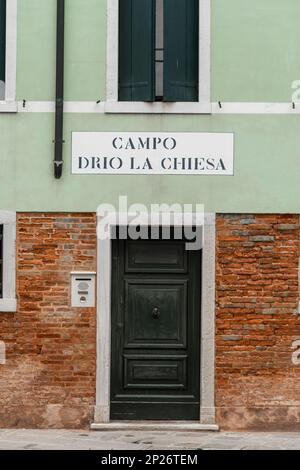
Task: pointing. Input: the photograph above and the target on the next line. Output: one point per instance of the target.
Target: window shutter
(181, 50)
(136, 50)
(2, 38)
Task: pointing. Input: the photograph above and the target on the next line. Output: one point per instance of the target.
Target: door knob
(155, 313)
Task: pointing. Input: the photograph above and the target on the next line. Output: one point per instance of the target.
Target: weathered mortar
(49, 376)
(257, 298)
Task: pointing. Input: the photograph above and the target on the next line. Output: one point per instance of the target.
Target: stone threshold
(153, 426)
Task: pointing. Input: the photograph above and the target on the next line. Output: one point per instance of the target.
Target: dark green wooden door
(155, 330)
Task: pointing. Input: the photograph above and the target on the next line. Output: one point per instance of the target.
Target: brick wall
(257, 386)
(49, 377)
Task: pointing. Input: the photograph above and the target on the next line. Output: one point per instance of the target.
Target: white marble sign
(141, 153)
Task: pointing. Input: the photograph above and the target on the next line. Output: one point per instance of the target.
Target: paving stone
(117, 440)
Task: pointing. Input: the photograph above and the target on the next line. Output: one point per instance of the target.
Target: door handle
(155, 313)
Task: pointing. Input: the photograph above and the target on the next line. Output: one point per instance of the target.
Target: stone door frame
(207, 333)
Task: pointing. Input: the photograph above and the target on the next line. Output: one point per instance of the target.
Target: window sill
(8, 107)
(137, 107)
(8, 306)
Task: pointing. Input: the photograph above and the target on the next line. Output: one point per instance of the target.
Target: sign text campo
(152, 153)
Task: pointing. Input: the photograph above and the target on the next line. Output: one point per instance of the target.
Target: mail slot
(83, 289)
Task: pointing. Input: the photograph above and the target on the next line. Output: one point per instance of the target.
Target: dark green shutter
(136, 50)
(181, 50)
(2, 38)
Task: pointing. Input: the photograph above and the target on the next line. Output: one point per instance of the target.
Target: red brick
(256, 382)
(49, 377)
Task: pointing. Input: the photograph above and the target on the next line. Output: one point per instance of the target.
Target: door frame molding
(207, 334)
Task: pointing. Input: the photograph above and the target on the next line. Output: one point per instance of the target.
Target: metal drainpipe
(59, 103)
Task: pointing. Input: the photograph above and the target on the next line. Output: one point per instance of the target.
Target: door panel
(155, 313)
(151, 255)
(155, 330)
(152, 371)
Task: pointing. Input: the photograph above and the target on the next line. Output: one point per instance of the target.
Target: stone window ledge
(8, 305)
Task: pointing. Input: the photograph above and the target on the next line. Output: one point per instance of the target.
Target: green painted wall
(85, 51)
(255, 49)
(255, 57)
(267, 156)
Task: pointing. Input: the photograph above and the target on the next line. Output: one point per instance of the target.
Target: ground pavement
(137, 440)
